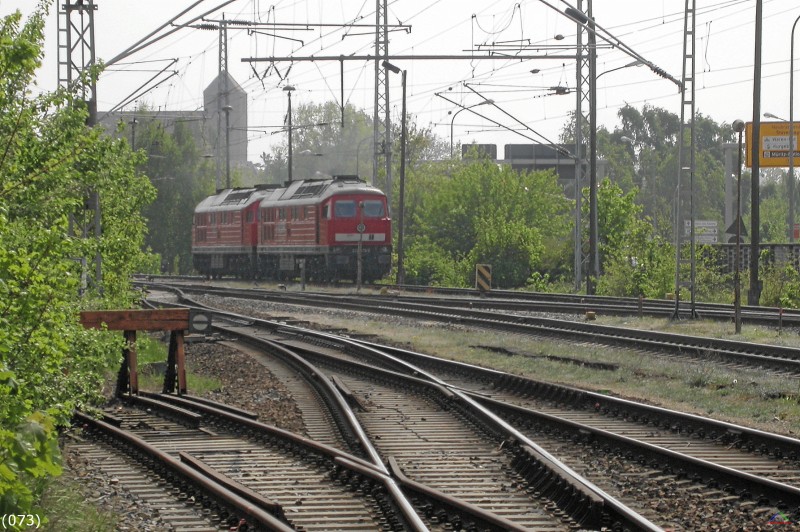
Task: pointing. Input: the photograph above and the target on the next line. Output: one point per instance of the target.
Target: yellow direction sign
(773, 148)
(483, 277)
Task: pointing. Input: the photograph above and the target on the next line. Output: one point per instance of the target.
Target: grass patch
(68, 509)
(198, 384)
(195, 382)
(150, 349)
(713, 329)
(153, 353)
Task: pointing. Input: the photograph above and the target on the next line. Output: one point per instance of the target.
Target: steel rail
(751, 485)
(747, 484)
(532, 452)
(752, 439)
(534, 458)
(253, 510)
(781, 358)
(542, 301)
(378, 471)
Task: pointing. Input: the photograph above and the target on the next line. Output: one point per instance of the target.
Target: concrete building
(208, 124)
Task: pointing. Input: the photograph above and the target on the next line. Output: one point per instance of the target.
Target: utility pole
(754, 294)
(222, 103)
(381, 119)
(289, 89)
(583, 95)
(76, 56)
(587, 90)
(686, 165)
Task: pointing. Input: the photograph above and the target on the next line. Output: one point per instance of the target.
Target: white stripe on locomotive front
(365, 237)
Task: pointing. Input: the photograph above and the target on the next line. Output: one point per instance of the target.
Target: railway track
(649, 444)
(521, 301)
(310, 486)
(700, 459)
(618, 306)
(303, 485)
(454, 453)
(781, 359)
(632, 454)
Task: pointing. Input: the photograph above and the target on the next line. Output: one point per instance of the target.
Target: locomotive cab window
(344, 209)
(373, 208)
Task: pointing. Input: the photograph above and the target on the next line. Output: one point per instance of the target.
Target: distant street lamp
(792, 142)
(738, 127)
(289, 89)
(631, 64)
(401, 274)
(452, 121)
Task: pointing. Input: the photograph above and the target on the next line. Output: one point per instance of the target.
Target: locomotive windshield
(347, 209)
(344, 209)
(373, 209)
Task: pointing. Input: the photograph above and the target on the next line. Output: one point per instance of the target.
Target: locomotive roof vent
(352, 178)
(237, 196)
(309, 189)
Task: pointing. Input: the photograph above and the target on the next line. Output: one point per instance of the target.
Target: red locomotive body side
(322, 226)
(250, 225)
(225, 233)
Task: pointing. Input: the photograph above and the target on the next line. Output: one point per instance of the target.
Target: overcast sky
(652, 28)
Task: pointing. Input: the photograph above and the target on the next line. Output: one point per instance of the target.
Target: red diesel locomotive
(271, 231)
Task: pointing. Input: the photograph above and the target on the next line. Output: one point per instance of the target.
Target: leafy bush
(636, 261)
(51, 162)
(510, 247)
(483, 213)
(428, 264)
(712, 283)
(539, 282)
(781, 285)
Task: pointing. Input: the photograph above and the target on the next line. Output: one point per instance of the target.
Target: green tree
(634, 258)
(182, 178)
(321, 143)
(773, 208)
(482, 213)
(647, 159)
(49, 163)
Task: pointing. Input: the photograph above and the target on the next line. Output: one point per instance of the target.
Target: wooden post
(180, 359)
(130, 350)
(169, 371)
(130, 321)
